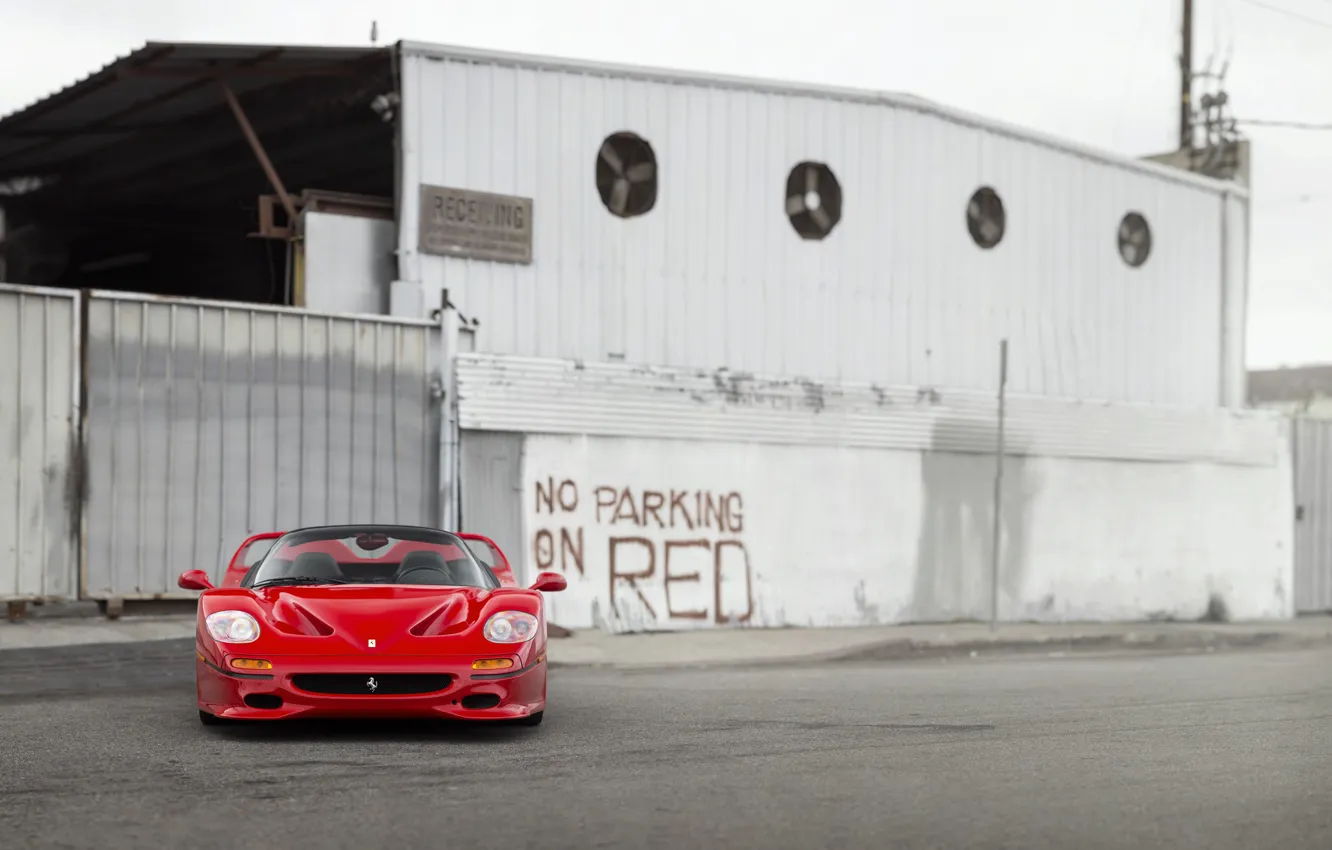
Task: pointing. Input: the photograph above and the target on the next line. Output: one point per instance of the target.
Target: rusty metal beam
(267, 229)
(347, 203)
(259, 152)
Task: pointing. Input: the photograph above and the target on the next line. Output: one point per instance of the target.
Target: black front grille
(371, 684)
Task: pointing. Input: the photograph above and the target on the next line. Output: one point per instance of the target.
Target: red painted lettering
(717, 557)
(677, 503)
(571, 551)
(613, 556)
(543, 550)
(605, 497)
(652, 505)
(735, 513)
(626, 510)
(668, 579)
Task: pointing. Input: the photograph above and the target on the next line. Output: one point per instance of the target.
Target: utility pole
(1186, 79)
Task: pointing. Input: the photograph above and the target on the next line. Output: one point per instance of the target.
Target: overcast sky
(1101, 72)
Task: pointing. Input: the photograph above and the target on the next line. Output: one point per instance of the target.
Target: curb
(89, 632)
(904, 649)
(1184, 641)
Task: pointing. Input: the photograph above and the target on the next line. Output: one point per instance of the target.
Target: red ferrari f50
(370, 621)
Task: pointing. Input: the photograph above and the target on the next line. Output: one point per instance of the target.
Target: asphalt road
(1218, 751)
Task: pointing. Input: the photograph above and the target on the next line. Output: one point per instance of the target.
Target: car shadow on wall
(955, 543)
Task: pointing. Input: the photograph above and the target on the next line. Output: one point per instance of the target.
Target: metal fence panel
(39, 467)
(207, 422)
(1313, 525)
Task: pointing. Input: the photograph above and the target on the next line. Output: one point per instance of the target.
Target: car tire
(533, 719)
(210, 719)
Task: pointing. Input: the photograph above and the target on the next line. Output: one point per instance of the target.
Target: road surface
(1217, 751)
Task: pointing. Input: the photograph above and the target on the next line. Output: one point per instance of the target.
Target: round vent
(813, 200)
(985, 218)
(1135, 239)
(627, 175)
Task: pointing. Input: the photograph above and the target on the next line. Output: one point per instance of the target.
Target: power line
(1288, 13)
(1290, 125)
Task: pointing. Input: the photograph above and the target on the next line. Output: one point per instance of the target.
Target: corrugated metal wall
(715, 275)
(544, 396)
(1313, 506)
(207, 422)
(39, 467)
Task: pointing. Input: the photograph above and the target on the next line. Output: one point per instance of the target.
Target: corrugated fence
(39, 379)
(203, 422)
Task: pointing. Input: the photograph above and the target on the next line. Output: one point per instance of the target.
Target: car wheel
(210, 719)
(533, 719)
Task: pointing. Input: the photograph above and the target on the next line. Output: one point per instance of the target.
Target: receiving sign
(476, 225)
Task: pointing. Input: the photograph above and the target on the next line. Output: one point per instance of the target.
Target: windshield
(370, 555)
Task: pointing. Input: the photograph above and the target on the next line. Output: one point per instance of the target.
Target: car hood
(358, 614)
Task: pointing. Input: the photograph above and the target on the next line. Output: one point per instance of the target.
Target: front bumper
(509, 694)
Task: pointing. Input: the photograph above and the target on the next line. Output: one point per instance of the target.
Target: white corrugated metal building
(714, 274)
(711, 398)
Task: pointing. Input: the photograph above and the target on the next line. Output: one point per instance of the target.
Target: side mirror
(549, 582)
(194, 580)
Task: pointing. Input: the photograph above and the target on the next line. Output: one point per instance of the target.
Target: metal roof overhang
(156, 122)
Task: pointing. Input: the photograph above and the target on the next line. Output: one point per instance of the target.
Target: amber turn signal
(492, 664)
(251, 664)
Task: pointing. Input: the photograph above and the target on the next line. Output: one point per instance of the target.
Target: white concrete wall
(822, 536)
(861, 503)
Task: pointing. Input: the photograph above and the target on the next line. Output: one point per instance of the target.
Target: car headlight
(511, 627)
(232, 626)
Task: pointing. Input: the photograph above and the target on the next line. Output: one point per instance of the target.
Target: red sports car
(370, 621)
